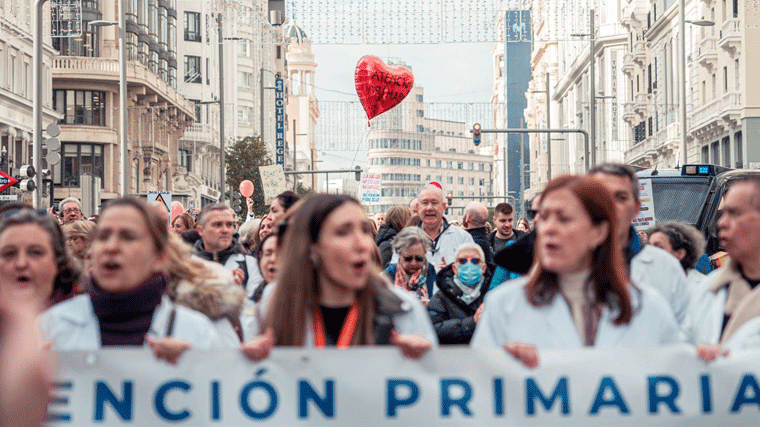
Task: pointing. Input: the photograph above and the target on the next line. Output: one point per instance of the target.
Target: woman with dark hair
(33, 255)
(330, 293)
(684, 242)
(126, 304)
(266, 256)
(280, 205)
(395, 220)
(578, 293)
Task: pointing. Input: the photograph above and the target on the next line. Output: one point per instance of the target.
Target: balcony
(201, 133)
(640, 51)
(628, 65)
(731, 105)
(149, 87)
(629, 115)
(731, 34)
(706, 117)
(641, 104)
(642, 153)
(707, 53)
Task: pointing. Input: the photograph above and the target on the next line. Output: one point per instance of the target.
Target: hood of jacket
(445, 281)
(235, 248)
(385, 233)
(217, 297)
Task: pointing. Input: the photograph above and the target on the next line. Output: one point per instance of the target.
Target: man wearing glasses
(70, 210)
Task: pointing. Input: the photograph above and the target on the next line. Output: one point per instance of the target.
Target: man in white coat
(648, 265)
(446, 238)
(726, 308)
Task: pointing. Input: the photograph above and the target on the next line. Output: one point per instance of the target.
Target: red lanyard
(346, 331)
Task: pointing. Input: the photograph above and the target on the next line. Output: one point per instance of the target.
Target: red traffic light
(476, 134)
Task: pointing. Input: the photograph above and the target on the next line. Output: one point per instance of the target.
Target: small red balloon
(381, 87)
(177, 209)
(246, 188)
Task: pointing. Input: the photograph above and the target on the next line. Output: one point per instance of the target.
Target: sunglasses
(462, 261)
(417, 258)
(531, 214)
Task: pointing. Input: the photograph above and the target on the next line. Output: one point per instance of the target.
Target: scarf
(413, 283)
(125, 318)
(469, 294)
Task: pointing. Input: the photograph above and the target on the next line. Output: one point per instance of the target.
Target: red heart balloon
(381, 87)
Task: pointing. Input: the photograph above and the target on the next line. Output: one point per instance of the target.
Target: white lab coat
(72, 325)
(747, 337)
(510, 318)
(414, 321)
(654, 268)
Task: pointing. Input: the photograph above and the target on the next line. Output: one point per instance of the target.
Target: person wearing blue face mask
(456, 308)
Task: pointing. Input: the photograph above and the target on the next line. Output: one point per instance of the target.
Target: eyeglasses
(462, 261)
(71, 210)
(417, 258)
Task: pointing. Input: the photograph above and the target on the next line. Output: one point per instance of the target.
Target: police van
(691, 194)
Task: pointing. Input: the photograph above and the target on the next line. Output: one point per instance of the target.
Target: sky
(449, 72)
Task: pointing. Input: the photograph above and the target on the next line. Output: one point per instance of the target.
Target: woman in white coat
(126, 304)
(578, 292)
(330, 293)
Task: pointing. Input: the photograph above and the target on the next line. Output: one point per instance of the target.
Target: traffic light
(476, 134)
(448, 203)
(358, 173)
(26, 178)
(449, 197)
(238, 203)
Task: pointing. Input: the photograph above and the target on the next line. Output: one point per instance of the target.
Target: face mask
(470, 274)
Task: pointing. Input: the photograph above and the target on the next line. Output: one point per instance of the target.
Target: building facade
(562, 49)
(85, 78)
(16, 83)
(303, 107)
(721, 107)
(410, 150)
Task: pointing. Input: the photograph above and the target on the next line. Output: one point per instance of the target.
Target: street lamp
(122, 92)
(682, 46)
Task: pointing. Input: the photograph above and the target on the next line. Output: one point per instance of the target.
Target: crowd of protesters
(317, 272)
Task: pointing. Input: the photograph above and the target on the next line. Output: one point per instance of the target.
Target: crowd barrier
(665, 386)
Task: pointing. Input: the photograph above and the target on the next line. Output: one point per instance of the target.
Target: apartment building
(85, 78)
(410, 150)
(16, 83)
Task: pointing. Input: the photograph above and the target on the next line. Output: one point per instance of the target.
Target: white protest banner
(448, 387)
(369, 189)
(646, 217)
(273, 180)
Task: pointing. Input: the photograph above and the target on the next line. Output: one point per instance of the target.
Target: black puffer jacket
(384, 240)
(452, 319)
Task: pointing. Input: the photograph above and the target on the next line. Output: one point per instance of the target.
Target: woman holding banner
(126, 304)
(578, 293)
(330, 293)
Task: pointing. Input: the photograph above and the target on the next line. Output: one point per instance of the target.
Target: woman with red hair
(578, 293)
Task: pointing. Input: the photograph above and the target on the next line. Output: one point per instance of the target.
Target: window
(739, 150)
(80, 107)
(725, 79)
(427, 162)
(705, 154)
(420, 113)
(461, 180)
(737, 79)
(185, 158)
(438, 164)
(84, 45)
(79, 159)
(715, 148)
(193, 69)
(419, 97)
(197, 104)
(459, 165)
(726, 149)
(449, 180)
(472, 181)
(420, 128)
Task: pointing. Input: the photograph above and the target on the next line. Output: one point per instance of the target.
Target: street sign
(6, 181)
(8, 197)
